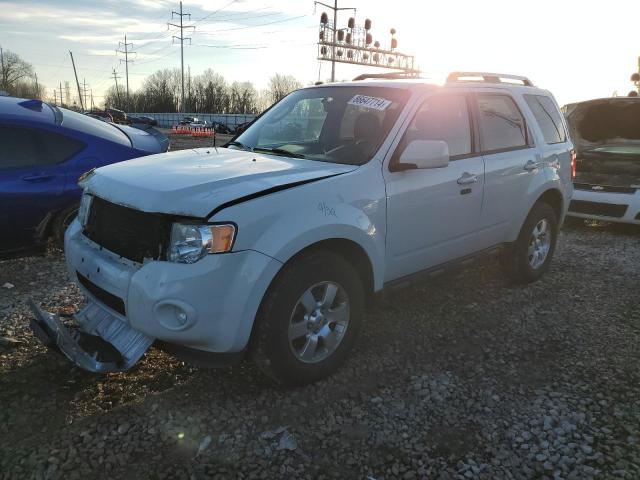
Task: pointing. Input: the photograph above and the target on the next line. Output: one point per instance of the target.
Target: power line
(215, 11)
(156, 59)
(250, 17)
(253, 26)
(182, 39)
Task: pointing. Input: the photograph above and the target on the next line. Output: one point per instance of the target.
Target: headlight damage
(140, 236)
(83, 211)
(189, 242)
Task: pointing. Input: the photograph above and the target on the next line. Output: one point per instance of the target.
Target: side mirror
(423, 154)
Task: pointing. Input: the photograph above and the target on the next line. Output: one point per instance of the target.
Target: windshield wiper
(279, 151)
(239, 144)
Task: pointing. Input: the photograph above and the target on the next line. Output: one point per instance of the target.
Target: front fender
(350, 206)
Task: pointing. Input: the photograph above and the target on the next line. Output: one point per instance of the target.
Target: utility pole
(335, 30)
(37, 87)
(84, 90)
(126, 61)
(77, 82)
(182, 39)
(4, 78)
(60, 91)
(55, 100)
(115, 78)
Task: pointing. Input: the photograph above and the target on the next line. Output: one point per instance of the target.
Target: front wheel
(529, 257)
(62, 222)
(309, 319)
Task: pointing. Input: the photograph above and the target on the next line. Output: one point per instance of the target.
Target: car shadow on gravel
(443, 371)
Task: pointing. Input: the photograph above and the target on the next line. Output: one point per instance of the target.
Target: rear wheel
(529, 257)
(309, 319)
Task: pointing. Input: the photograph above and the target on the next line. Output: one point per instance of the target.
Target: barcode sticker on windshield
(370, 102)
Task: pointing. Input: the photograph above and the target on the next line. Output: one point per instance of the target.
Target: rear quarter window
(548, 117)
(30, 147)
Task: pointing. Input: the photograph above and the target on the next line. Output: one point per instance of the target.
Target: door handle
(38, 177)
(467, 179)
(531, 165)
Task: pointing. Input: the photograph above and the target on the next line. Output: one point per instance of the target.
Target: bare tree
(16, 76)
(242, 97)
(281, 85)
(209, 93)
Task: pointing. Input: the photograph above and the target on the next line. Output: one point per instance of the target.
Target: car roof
(424, 85)
(26, 109)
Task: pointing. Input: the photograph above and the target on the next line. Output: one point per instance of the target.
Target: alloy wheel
(319, 322)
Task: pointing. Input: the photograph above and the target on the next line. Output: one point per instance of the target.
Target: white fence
(167, 120)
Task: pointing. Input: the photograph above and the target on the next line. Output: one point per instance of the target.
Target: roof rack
(487, 77)
(389, 75)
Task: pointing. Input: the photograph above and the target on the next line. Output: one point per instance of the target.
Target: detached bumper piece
(102, 343)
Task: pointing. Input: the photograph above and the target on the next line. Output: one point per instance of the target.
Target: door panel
(505, 195)
(433, 214)
(26, 196)
(510, 164)
(32, 180)
(432, 219)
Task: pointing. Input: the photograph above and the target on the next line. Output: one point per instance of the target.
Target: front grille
(603, 188)
(127, 232)
(597, 208)
(112, 301)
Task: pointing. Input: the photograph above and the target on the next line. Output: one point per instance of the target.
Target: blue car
(43, 151)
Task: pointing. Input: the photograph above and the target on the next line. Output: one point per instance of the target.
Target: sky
(576, 49)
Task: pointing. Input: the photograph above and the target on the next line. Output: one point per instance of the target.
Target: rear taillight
(574, 157)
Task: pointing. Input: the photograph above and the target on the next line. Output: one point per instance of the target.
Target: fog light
(175, 315)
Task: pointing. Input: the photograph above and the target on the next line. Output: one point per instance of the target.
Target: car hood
(195, 182)
(605, 121)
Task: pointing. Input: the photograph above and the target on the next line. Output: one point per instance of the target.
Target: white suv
(275, 244)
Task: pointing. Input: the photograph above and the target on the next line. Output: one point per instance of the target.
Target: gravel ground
(463, 377)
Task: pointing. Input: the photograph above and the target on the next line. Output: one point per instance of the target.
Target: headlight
(189, 243)
(85, 207)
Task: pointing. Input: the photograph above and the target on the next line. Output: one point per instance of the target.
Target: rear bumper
(612, 207)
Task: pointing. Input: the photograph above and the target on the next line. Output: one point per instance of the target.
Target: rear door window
(29, 147)
(548, 118)
(502, 126)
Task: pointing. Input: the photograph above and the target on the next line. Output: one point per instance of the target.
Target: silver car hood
(196, 182)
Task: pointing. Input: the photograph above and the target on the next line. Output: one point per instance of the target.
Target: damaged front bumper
(101, 342)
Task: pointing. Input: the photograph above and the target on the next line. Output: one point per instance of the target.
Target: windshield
(329, 124)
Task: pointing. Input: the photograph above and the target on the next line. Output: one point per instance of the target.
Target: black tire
(61, 222)
(516, 259)
(271, 348)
